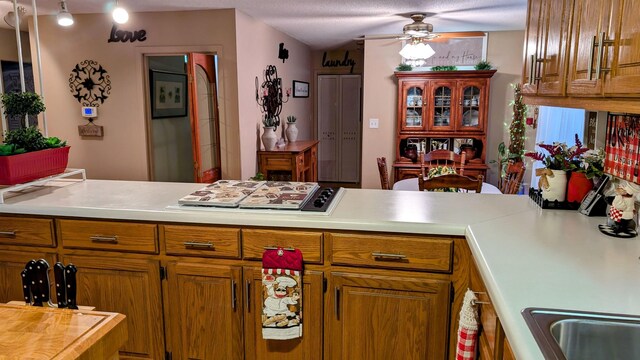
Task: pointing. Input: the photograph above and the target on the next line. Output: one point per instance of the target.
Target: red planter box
(17, 169)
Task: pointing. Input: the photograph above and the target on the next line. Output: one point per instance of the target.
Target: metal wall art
(89, 83)
(269, 94)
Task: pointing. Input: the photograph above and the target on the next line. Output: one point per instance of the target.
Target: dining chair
(384, 173)
(510, 183)
(442, 158)
(459, 183)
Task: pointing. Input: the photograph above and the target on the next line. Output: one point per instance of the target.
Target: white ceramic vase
(269, 138)
(292, 132)
(557, 189)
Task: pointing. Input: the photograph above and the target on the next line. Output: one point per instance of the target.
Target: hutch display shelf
(442, 110)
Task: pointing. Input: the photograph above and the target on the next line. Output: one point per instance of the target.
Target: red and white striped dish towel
(467, 328)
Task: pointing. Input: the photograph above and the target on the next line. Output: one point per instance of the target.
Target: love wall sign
(118, 35)
(623, 147)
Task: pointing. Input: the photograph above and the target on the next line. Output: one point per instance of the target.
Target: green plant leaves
(26, 140)
(22, 103)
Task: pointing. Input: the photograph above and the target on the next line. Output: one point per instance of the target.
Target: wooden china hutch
(442, 110)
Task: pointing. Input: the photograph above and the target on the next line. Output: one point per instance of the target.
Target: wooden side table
(296, 161)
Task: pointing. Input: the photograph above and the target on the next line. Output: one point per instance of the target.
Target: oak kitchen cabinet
(194, 291)
(602, 70)
(442, 110)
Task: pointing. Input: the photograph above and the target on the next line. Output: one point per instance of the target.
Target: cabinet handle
(336, 302)
(532, 69)
(593, 49)
(233, 294)
(104, 239)
(600, 55)
(247, 289)
(195, 244)
(10, 233)
(378, 256)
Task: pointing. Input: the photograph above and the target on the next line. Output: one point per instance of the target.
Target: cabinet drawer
(201, 241)
(26, 231)
(107, 235)
(423, 253)
(275, 162)
(309, 243)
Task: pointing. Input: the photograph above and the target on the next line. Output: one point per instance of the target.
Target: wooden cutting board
(49, 333)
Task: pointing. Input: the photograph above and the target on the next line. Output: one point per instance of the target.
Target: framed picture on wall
(300, 89)
(168, 94)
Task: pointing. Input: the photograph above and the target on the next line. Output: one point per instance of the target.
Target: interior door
(205, 123)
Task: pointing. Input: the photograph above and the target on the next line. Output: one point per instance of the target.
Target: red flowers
(560, 156)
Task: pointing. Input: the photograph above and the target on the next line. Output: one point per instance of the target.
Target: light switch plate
(373, 123)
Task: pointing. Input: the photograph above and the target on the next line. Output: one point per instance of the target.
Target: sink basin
(566, 334)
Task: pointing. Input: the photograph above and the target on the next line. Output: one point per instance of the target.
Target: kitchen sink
(566, 334)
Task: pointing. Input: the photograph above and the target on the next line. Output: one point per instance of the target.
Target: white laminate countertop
(528, 257)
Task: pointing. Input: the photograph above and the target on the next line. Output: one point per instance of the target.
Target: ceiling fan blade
(381, 37)
(460, 34)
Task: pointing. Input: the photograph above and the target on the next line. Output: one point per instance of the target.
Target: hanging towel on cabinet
(467, 328)
(281, 294)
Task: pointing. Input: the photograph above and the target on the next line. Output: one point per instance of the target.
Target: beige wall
(504, 51)
(241, 43)
(257, 48)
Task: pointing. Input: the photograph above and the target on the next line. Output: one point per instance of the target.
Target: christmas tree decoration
(517, 127)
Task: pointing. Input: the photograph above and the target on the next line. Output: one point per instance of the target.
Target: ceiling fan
(420, 30)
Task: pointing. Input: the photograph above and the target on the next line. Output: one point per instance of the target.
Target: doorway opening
(184, 131)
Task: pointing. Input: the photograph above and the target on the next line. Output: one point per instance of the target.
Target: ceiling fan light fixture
(120, 14)
(64, 17)
(417, 51)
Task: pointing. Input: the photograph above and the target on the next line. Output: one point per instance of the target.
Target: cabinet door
(387, 317)
(412, 106)
(11, 264)
(309, 346)
(624, 77)
(556, 18)
(589, 18)
(471, 105)
(205, 311)
(130, 287)
(532, 46)
(440, 102)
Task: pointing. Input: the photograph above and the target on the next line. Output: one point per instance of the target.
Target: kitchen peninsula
(413, 249)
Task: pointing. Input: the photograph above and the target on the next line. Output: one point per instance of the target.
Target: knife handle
(61, 285)
(26, 286)
(42, 283)
(30, 268)
(70, 277)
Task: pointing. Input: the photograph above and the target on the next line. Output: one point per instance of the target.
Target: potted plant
(26, 154)
(292, 130)
(269, 137)
(586, 170)
(553, 177)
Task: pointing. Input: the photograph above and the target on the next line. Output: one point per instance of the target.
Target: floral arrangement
(291, 119)
(592, 163)
(561, 157)
(270, 122)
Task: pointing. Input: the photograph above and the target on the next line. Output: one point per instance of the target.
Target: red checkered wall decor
(623, 147)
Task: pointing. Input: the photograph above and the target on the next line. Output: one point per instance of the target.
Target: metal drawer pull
(480, 302)
(195, 244)
(388, 257)
(104, 239)
(272, 247)
(600, 55)
(336, 302)
(233, 295)
(593, 49)
(532, 69)
(8, 233)
(248, 291)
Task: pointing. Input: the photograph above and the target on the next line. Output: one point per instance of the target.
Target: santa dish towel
(281, 294)
(467, 328)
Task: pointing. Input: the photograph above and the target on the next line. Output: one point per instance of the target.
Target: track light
(120, 15)
(10, 18)
(64, 17)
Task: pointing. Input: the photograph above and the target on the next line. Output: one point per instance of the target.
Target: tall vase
(269, 138)
(557, 189)
(292, 132)
(578, 187)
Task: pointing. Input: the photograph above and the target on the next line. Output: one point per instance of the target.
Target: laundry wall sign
(344, 61)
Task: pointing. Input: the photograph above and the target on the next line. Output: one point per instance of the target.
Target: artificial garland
(517, 127)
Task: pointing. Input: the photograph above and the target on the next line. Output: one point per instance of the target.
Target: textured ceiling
(326, 24)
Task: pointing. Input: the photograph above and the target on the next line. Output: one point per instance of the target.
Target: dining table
(412, 185)
(34, 332)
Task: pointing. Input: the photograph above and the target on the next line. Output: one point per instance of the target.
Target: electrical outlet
(373, 123)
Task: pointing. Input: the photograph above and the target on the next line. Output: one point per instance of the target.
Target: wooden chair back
(459, 182)
(511, 182)
(442, 158)
(384, 173)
